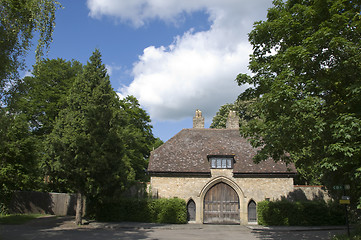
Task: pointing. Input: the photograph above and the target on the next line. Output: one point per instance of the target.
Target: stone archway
(230, 183)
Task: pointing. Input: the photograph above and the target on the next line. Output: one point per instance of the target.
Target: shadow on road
(60, 228)
(296, 235)
(63, 228)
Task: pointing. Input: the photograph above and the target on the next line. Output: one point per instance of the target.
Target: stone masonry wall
(257, 189)
(305, 192)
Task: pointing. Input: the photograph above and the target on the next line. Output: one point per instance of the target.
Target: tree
(86, 148)
(19, 19)
(29, 116)
(18, 166)
(37, 101)
(41, 96)
(220, 120)
(243, 109)
(138, 132)
(307, 79)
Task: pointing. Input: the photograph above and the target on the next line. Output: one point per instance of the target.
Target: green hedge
(140, 210)
(308, 213)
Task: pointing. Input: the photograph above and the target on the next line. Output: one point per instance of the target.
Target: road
(63, 228)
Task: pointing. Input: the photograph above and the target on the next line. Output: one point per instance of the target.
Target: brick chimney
(198, 120)
(232, 120)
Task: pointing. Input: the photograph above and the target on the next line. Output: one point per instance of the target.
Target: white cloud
(198, 69)
(112, 68)
(139, 11)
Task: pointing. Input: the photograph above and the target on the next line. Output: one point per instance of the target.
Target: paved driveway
(63, 228)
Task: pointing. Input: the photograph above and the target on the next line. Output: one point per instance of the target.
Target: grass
(355, 235)
(17, 219)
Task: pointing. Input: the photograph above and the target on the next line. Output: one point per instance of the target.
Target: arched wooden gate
(221, 205)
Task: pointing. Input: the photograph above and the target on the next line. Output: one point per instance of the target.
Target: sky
(173, 56)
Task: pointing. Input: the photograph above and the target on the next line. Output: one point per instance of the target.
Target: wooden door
(221, 205)
(191, 210)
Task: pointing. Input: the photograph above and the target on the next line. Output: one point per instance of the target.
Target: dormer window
(221, 162)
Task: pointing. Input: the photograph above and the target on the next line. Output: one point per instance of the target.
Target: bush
(308, 213)
(140, 210)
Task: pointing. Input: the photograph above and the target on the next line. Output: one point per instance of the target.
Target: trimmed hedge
(307, 213)
(141, 210)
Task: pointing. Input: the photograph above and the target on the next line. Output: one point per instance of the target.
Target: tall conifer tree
(85, 148)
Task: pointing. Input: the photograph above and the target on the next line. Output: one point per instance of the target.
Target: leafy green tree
(19, 20)
(41, 96)
(138, 134)
(86, 147)
(18, 165)
(220, 120)
(307, 79)
(36, 101)
(242, 108)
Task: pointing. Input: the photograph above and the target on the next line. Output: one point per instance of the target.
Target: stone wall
(305, 192)
(256, 189)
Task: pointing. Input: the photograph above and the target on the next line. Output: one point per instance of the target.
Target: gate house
(213, 171)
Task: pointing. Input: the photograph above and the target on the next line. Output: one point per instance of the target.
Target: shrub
(140, 210)
(307, 213)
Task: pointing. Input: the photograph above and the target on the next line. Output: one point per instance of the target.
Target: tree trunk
(79, 209)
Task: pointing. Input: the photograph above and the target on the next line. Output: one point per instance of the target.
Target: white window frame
(221, 162)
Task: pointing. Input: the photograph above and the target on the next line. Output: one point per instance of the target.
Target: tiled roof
(188, 151)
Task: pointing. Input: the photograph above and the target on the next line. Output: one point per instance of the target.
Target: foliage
(243, 109)
(26, 121)
(16, 219)
(18, 167)
(99, 143)
(307, 213)
(307, 79)
(140, 210)
(65, 113)
(85, 147)
(19, 20)
(138, 133)
(220, 120)
(41, 96)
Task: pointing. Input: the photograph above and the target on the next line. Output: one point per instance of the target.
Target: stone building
(213, 171)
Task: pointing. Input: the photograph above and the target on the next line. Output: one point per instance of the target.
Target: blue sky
(174, 56)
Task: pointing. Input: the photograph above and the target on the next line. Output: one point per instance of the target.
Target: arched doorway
(221, 205)
(252, 211)
(191, 210)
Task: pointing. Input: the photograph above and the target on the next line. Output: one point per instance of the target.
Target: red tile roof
(188, 152)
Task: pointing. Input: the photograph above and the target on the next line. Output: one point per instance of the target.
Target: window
(221, 162)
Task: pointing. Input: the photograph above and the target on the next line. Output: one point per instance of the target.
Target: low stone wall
(61, 204)
(306, 192)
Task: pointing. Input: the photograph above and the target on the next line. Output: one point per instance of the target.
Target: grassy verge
(355, 235)
(15, 219)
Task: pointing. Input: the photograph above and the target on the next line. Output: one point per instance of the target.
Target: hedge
(140, 210)
(307, 213)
